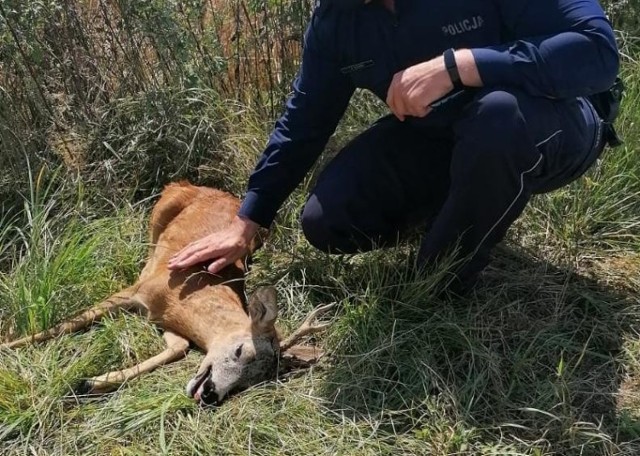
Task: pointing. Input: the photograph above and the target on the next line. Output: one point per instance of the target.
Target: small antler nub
(307, 327)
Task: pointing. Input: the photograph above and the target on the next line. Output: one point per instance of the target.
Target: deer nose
(209, 395)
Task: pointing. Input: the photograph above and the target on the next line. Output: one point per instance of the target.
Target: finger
(199, 254)
(396, 108)
(401, 102)
(393, 98)
(218, 265)
(183, 255)
(187, 251)
(420, 111)
(413, 105)
(390, 96)
(181, 263)
(401, 110)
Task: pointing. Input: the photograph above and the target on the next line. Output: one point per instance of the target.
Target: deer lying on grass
(241, 342)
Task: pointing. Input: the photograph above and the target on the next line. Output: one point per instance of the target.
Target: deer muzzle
(203, 389)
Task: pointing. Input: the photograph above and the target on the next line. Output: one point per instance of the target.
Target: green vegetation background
(104, 102)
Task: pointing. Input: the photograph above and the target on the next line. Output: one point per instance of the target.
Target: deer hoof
(83, 387)
(91, 386)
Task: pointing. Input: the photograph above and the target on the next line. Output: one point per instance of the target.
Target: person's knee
(497, 110)
(327, 226)
(494, 116)
(314, 225)
(491, 128)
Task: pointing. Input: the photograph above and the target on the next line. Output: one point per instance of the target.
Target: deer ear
(263, 308)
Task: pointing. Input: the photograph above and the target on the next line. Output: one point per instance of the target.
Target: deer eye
(238, 351)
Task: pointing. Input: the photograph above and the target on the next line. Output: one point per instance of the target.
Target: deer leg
(177, 347)
(110, 306)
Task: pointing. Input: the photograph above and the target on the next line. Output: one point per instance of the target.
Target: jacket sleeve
(556, 49)
(320, 97)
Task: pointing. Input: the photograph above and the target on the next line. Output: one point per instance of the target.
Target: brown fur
(190, 305)
(239, 338)
(183, 214)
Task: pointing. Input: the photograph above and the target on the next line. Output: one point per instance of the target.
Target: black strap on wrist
(452, 68)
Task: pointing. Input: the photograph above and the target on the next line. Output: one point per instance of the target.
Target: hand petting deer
(240, 339)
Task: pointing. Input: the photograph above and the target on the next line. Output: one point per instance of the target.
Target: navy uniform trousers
(468, 179)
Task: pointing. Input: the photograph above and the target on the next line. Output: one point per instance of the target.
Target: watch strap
(452, 68)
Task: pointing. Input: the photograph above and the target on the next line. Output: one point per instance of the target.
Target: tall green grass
(60, 261)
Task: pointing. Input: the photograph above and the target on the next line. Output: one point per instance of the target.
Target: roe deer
(241, 342)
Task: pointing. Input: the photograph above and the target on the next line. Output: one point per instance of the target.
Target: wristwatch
(452, 69)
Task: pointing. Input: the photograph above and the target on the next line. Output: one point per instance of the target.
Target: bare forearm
(467, 68)
(414, 89)
(246, 228)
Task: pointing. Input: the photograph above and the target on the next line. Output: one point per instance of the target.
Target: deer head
(252, 354)
(241, 357)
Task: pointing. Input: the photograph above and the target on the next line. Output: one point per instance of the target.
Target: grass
(530, 364)
(541, 359)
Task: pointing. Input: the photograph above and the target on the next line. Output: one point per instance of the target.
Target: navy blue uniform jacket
(548, 48)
